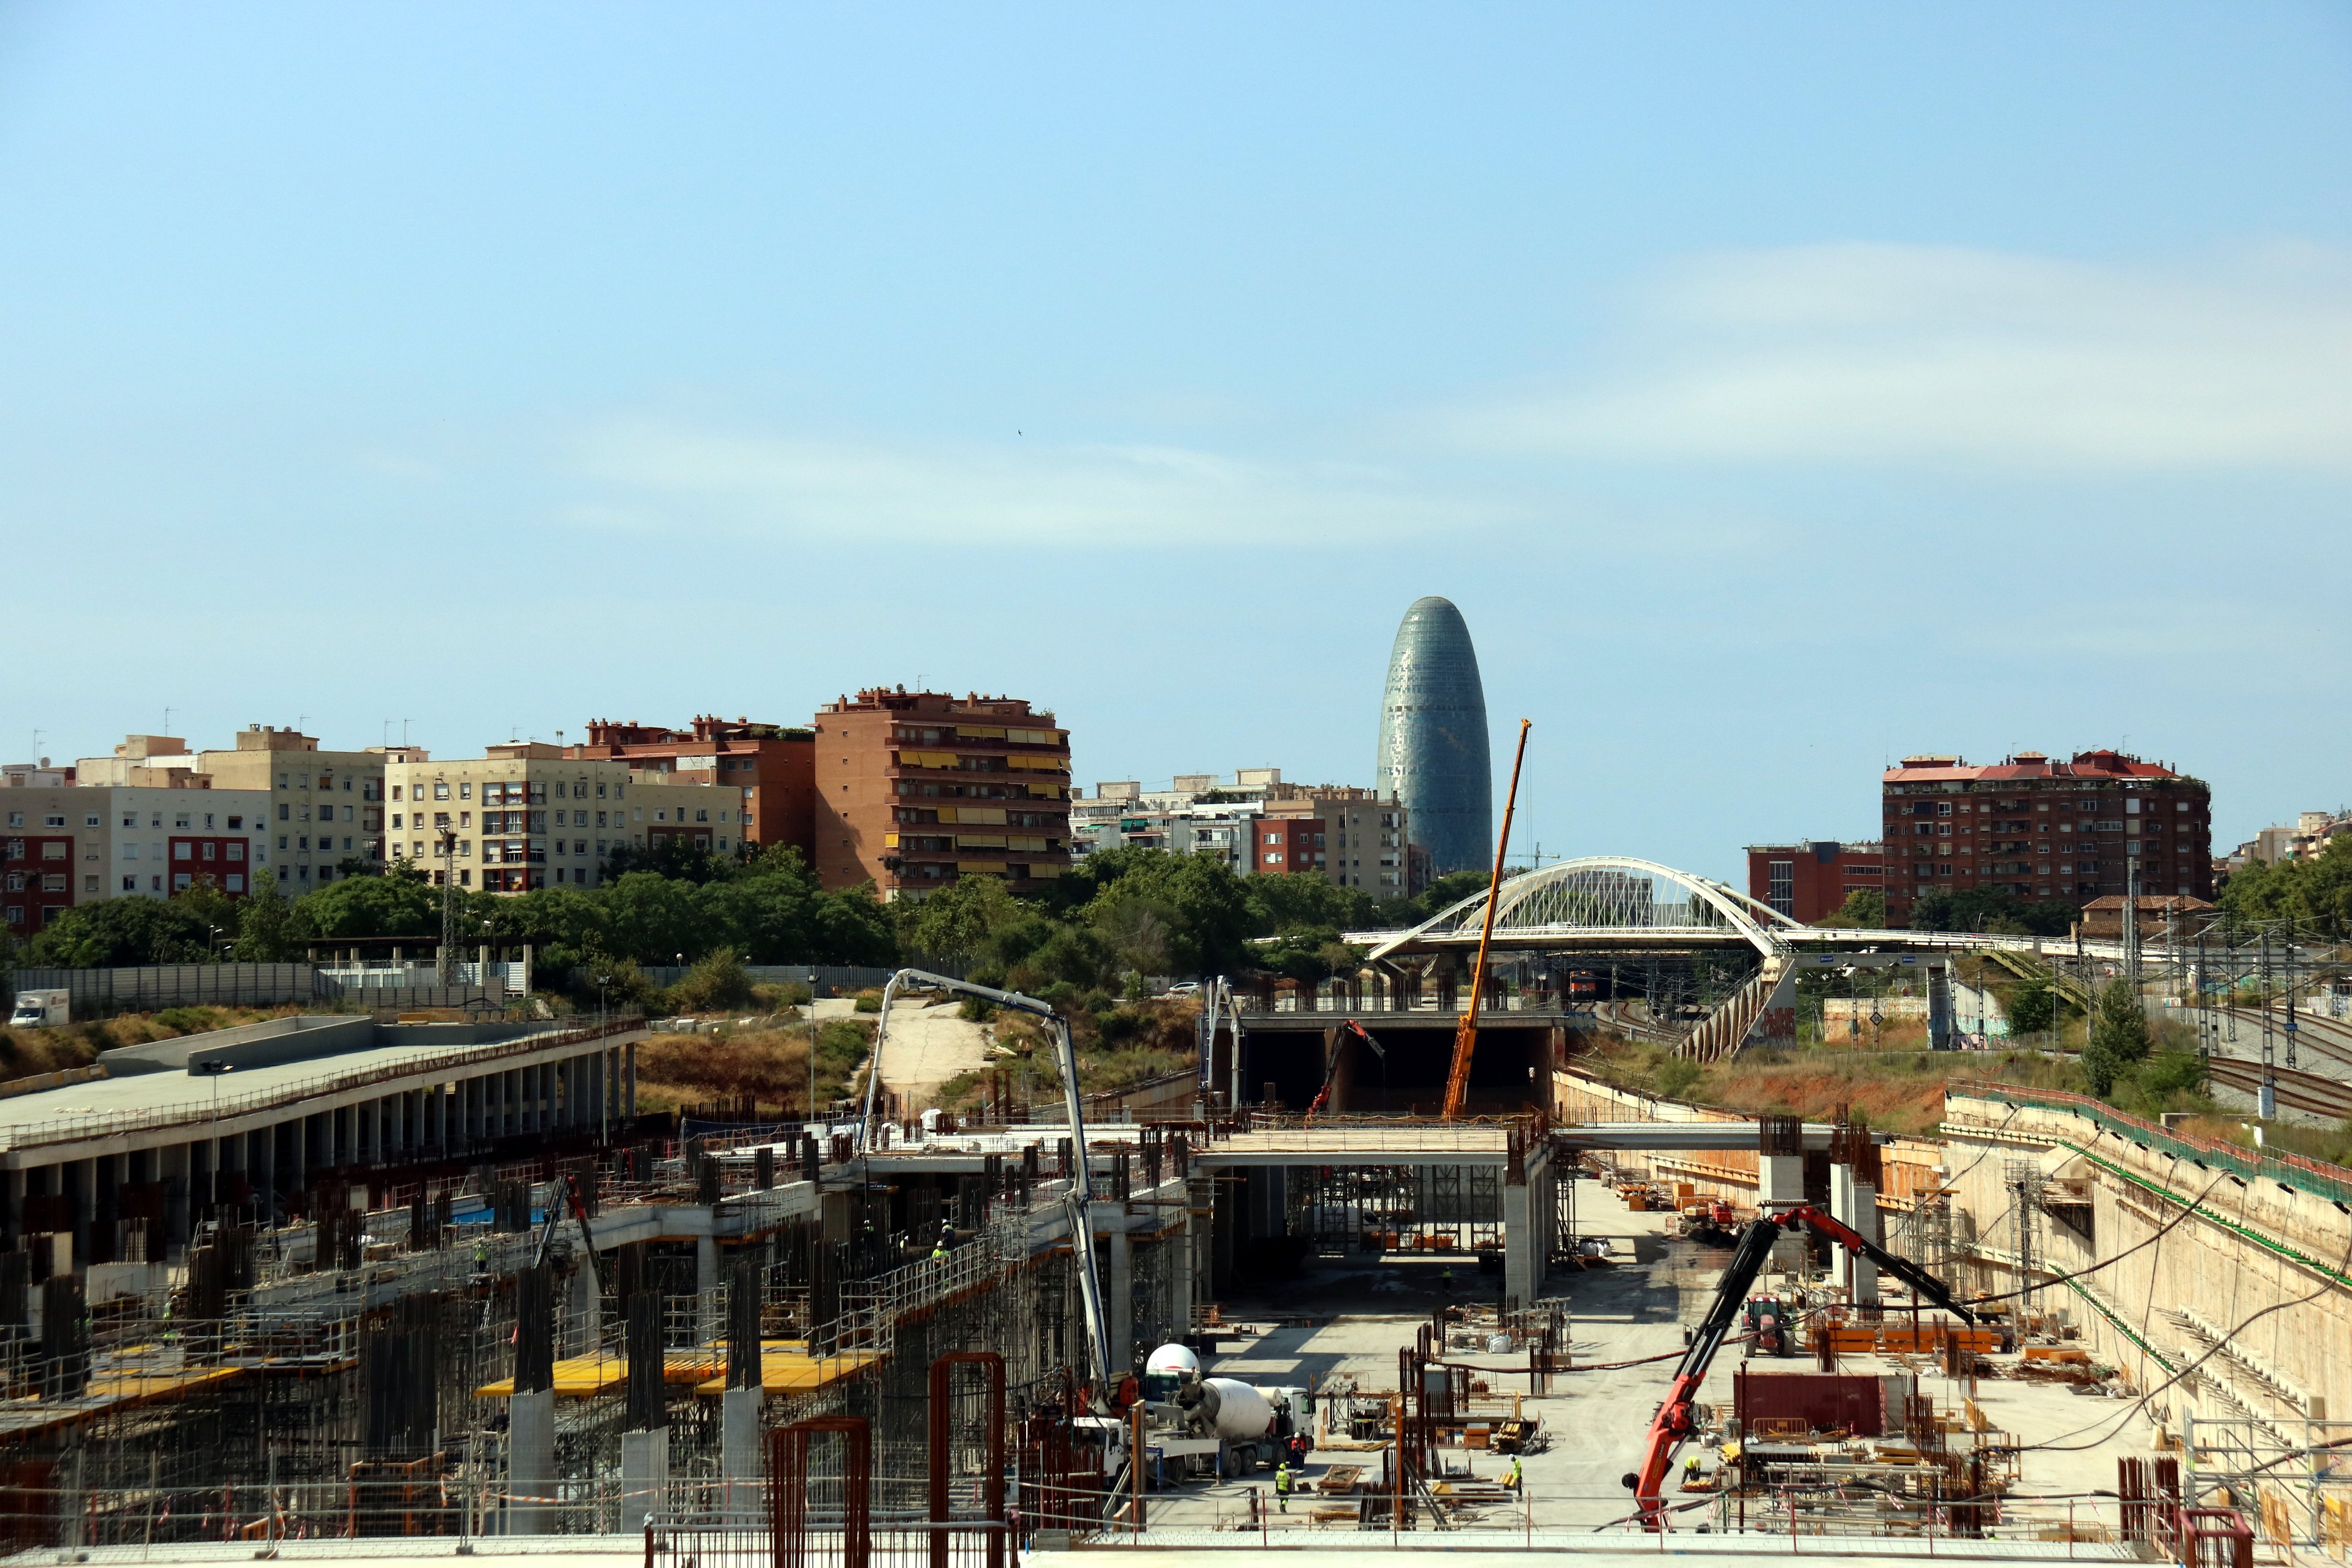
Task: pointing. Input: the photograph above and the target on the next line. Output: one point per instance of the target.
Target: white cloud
(1886, 353)
(658, 475)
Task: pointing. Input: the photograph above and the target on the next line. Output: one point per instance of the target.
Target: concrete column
(645, 1476)
(1841, 1262)
(1521, 1276)
(739, 1449)
(177, 1175)
(262, 1171)
(531, 1461)
(706, 1287)
(1865, 1221)
(81, 1187)
(584, 1316)
(12, 1207)
(1119, 1295)
(629, 1080)
(1781, 1181)
(510, 1103)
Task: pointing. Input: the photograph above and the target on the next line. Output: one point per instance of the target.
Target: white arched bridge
(1601, 903)
(1609, 907)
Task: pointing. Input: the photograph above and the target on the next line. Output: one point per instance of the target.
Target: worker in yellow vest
(1282, 1486)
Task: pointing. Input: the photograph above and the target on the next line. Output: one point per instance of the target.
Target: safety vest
(1282, 1480)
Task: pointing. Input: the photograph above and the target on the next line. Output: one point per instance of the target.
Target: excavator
(1677, 1416)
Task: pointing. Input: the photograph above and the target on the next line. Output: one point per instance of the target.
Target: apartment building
(1219, 830)
(1809, 881)
(915, 789)
(2306, 837)
(774, 766)
(67, 844)
(1367, 843)
(326, 807)
(2043, 829)
(1367, 834)
(524, 815)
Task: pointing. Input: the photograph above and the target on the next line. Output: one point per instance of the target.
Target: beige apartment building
(67, 844)
(524, 815)
(326, 807)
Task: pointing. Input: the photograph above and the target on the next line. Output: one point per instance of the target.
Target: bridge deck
(1410, 1143)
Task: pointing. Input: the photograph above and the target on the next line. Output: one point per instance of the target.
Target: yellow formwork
(785, 1366)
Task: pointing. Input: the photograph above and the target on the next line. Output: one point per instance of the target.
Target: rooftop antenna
(167, 721)
(404, 732)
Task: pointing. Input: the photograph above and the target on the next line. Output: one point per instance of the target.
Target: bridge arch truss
(1605, 897)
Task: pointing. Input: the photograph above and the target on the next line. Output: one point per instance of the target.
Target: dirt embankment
(1898, 1091)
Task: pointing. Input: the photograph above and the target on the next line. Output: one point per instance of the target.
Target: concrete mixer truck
(1221, 1424)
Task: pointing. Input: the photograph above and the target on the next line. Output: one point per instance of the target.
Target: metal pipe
(1078, 1202)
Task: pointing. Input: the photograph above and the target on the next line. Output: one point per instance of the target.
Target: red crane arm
(1677, 1416)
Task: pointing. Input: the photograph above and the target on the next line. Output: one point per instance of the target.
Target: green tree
(2033, 1005)
(121, 933)
(2315, 890)
(716, 983)
(1864, 909)
(961, 922)
(205, 902)
(652, 919)
(669, 857)
(1990, 909)
(2118, 1039)
(264, 929)
(1205, 907)
(400, 903)
(1282, 901)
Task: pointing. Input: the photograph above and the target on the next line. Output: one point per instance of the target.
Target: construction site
(1394, 1270)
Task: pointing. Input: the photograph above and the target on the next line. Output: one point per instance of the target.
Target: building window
(1782, 886)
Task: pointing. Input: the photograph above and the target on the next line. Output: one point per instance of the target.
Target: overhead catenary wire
(2061, 1443)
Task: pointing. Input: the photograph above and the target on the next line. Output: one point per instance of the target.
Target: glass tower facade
(1433, 753)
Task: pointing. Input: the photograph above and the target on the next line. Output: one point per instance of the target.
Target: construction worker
(1513, 1478)
(1282, 1486)
(1691, 1476)
(482, 1255)
(1446, 1280)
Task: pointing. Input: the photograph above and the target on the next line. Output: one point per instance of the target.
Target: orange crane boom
(1465, 1034)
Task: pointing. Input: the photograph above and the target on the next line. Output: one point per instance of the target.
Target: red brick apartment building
(2047, 831)
(773, 766)
(1290, 843)
(1808, 882)
(914, 789)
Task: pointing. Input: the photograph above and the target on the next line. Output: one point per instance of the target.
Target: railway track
(2297, 1090)
(2329, 1038)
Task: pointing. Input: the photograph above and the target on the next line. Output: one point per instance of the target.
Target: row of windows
(515, 821)
(419, 851)
(517, 792)
(186, 851)
(369, 789)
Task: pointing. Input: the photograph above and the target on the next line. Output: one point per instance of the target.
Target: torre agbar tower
(1433, 750)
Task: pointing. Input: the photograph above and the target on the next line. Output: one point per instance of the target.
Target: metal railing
(2333, 1183)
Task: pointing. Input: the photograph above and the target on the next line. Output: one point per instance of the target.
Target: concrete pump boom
(1078, 1203)
(1677, 1416)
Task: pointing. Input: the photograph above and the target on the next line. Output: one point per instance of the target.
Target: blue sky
(1776, 390)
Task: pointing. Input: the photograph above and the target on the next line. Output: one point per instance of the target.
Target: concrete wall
(2255, 1241)
(303, 1038)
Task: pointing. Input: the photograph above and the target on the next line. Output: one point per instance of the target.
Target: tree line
(1121, 914)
